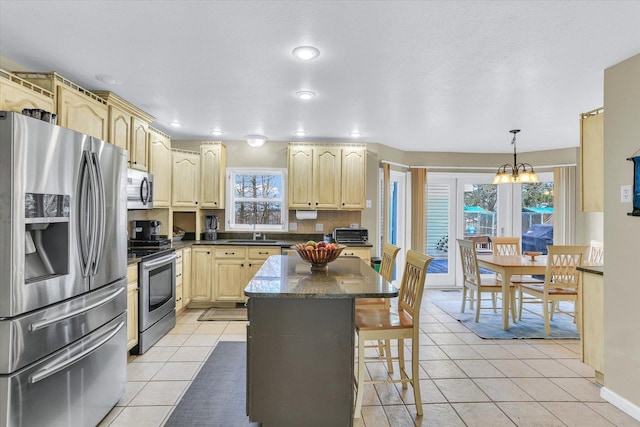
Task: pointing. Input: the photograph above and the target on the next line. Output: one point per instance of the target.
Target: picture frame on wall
(636, 186)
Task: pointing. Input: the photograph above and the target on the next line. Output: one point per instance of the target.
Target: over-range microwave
(139, 189)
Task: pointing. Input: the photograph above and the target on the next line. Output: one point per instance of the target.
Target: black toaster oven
(351, 235)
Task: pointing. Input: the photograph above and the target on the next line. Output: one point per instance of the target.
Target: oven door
(158, 289)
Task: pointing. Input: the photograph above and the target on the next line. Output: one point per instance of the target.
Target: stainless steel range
(63, 242)
(157, 298)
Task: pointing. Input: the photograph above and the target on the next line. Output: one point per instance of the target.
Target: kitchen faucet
(252, 221)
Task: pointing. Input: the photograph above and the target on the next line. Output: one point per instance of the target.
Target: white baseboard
(620, 403)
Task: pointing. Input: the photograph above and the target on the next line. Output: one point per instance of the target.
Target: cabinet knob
(242, 265)
(196, 202)
(250, 264)
(309, 203)
(229, 253)
(342, 203)
(316, 203)
(135, 163)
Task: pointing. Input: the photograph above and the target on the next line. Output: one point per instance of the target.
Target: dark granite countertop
(248, 242)
(594, 269)
(290, 277)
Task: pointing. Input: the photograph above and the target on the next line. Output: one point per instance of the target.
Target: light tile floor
(466, 381)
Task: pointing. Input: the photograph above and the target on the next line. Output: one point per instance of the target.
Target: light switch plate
(293, 226)
(319, 227)
(626, 195)
(368, 203)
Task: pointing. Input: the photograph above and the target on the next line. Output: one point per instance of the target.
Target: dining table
(508, 266)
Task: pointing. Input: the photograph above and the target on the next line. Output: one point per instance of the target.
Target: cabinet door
(230, 280)
(14, 97)
(201, 279)
(326, 182)
(186, 175)
(212, 166)
(160, 165)
(139, 144)
(82, 114)
(132, 306)
(120, 130)
(300, 170)
(592, 163)
(362, 253)
(353, 177)
(186, 276)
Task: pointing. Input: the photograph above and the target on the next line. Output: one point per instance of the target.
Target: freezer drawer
(76, 386)
(25, 339)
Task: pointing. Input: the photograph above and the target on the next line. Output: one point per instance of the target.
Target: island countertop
(290, 277)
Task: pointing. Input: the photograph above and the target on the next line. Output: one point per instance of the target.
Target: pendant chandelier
(516, 173)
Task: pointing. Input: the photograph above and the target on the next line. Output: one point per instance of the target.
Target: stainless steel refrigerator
(63, 261)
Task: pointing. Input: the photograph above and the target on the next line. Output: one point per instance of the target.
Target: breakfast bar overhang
(300, 340)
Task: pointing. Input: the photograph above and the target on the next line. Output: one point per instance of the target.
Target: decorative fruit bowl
(319, 255)
(532, 254)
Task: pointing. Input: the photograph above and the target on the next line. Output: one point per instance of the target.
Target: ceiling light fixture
(516, 173)
(355, 134)
(176, 124)
(305, 95)
(256, 140)
(216, 132)
(306, 53)
(300, 133)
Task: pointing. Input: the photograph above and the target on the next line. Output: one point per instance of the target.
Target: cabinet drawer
(178, 257)
(230, 252)
(263, 252)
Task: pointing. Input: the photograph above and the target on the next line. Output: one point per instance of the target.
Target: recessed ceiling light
(216, 132)
(355, 134)
(104, 78)
(300, 133)
(256, 140)
(306, 53)
(305, 94)
(176, 124)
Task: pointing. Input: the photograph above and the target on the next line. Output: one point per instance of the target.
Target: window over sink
(256, 199)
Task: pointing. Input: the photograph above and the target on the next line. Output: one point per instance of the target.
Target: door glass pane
(537, 216)
(438, 214)
(480, 214)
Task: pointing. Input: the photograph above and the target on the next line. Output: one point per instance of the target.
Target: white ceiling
(417, 75)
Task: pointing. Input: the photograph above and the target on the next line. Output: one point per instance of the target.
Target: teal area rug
(490, 324)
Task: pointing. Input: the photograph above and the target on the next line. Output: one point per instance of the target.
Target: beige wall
(621, 233)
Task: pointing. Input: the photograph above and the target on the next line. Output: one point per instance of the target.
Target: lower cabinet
(132, 306)
(220, 273)
(186, 276)
(592, 322)
(360, 252)
(179, 301)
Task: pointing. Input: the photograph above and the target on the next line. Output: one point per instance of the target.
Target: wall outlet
(626, 194)
(355, 225)
(293, 226)
(319, 227)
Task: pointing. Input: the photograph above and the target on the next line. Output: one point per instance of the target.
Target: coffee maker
(210, 227)
(146, 230)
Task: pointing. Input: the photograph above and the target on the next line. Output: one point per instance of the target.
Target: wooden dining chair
(596, 252)
(561, 282)
(400, 323)
(472, 282)
(511, 246)
(387, 268)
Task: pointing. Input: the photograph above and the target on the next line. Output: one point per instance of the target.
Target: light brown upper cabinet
(128, 129)
(77, 108)
(213, 164)
(17, 94)
(186, 178)
(326, 177)
(160, 165)
(592, 160)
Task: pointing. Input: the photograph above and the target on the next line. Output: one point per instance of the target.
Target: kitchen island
(300, 340)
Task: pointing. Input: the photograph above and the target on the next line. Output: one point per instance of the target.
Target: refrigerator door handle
(101, 209)
(84, 212)
(51, 370)
(93, 189)
(48, 322)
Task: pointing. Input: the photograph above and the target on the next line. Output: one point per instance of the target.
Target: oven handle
(148, 265)
(48, 371)
(35, 326)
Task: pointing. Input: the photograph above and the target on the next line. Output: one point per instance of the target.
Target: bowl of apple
(319, 254)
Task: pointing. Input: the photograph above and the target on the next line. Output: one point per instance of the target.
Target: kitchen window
(256, 199)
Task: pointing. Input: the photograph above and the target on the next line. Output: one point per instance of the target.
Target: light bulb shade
(256, 140)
